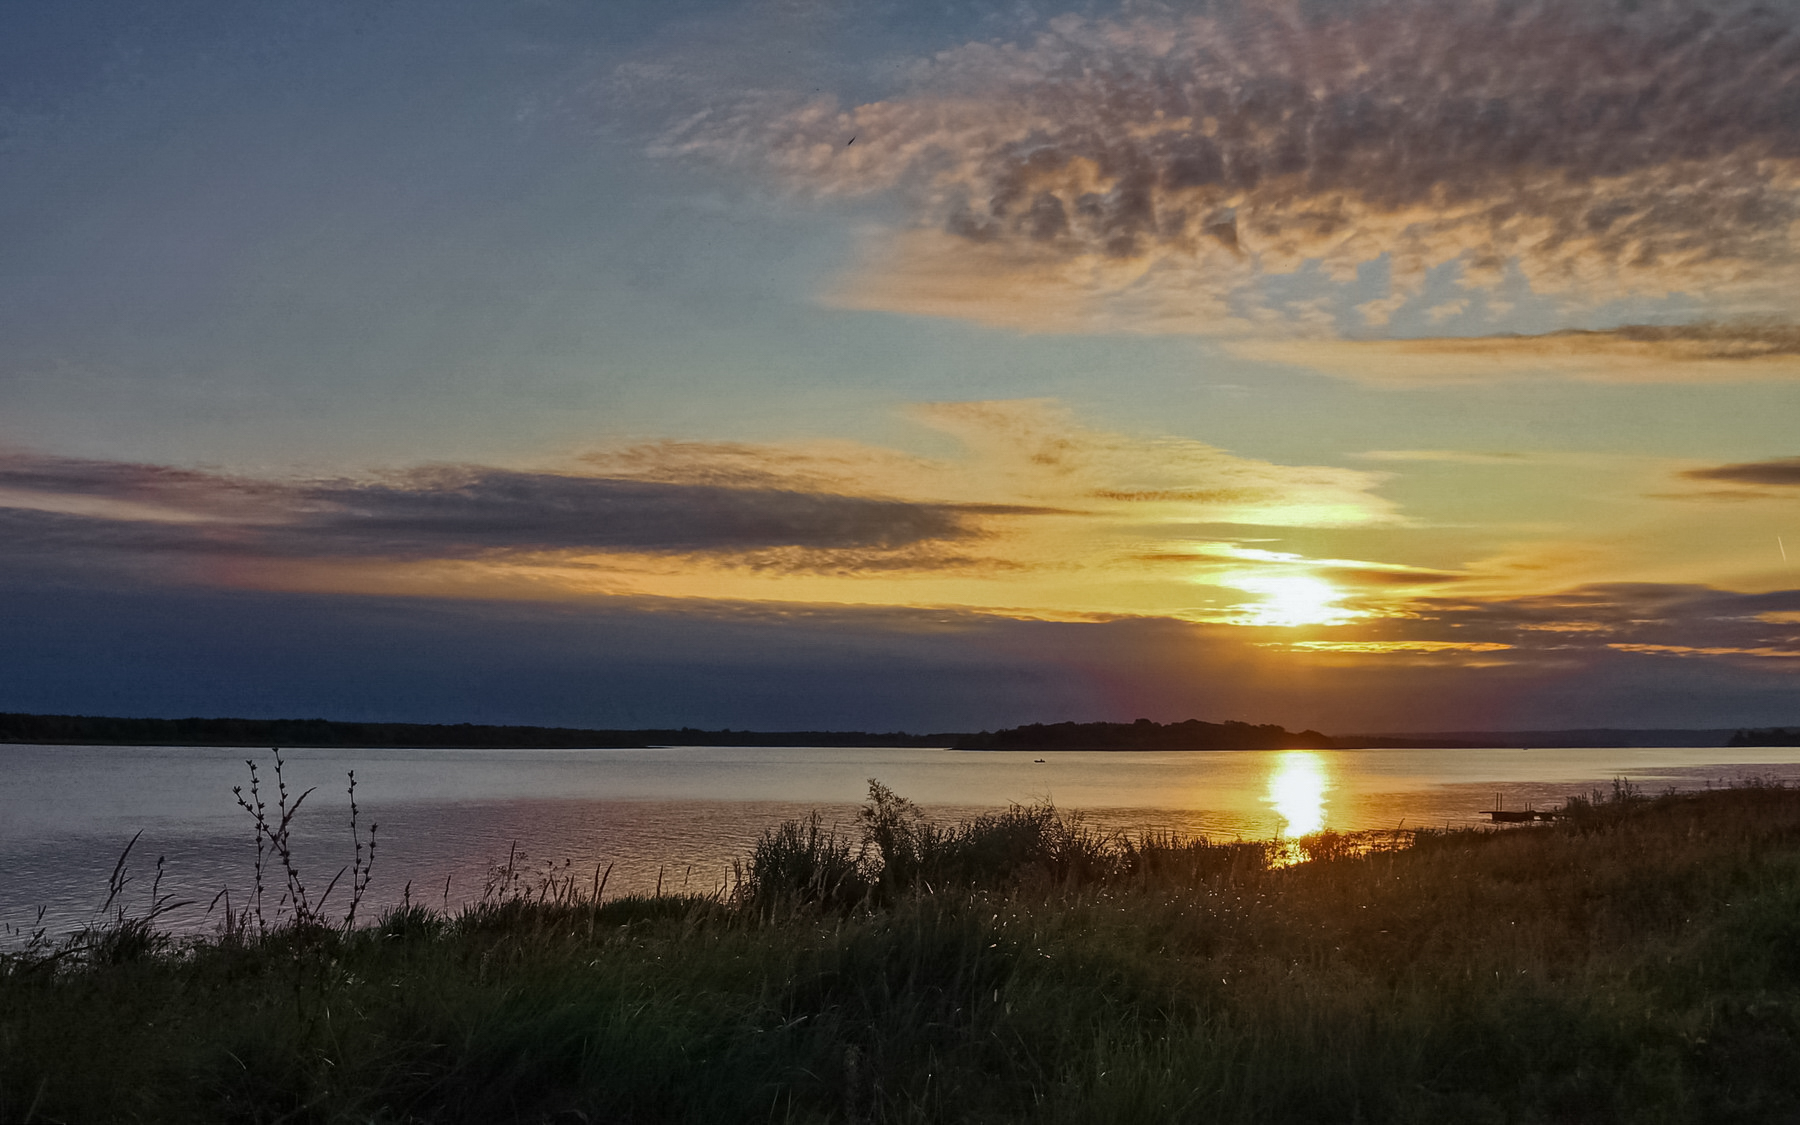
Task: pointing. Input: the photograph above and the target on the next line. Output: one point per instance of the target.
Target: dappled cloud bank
(1404, 168)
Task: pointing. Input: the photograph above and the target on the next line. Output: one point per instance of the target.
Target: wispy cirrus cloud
(452, 512)
(1037, 453)
(1233, 171)
(1468, 457)
(1647, 619)
(1026, 510)
(1079, 525)
(1032, 492)
(1704, 352)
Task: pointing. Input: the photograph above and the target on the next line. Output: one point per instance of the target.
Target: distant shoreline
(93, 730)
(1193, 735)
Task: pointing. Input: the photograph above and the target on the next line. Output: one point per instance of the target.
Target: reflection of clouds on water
(1297, 788)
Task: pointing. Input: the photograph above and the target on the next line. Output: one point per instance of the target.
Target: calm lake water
(682, 814)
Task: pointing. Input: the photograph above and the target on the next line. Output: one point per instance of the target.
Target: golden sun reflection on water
(1297, 788)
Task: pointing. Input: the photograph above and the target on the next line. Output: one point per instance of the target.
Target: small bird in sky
(849, 142)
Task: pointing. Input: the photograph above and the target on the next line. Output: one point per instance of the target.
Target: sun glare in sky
(1293, 599)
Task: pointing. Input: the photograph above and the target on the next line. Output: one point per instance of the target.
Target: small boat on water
(1509, 816)
(1498, 815)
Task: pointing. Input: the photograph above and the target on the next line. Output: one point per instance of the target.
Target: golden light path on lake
(1297, 788)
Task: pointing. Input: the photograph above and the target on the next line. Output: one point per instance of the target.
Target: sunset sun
(1293, 600)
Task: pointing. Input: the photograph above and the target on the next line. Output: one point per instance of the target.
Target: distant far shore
(94, 730)
(1143, 735)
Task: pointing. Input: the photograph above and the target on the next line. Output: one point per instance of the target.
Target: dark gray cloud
(487, 509)
(195, 492)
(1642, 618)
(1783, 472)
(63, 504)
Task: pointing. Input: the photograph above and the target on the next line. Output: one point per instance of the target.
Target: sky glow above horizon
(1349, 364)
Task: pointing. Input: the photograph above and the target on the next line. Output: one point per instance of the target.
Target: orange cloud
(1764, 652)
(1037, 514)
(1689, 353)
(1387, 647)
(1035, 453)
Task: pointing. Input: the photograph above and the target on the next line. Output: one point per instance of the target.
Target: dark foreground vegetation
(1638, 960)
(1767, 736)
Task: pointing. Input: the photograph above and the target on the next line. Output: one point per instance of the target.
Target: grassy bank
(1638, 961)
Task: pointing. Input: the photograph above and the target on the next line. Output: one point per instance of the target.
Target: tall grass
(901, 852)
(1636, 961)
